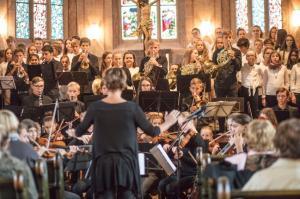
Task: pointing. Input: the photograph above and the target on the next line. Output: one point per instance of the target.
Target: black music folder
(158, 101)
(34, 71)
(64, 78)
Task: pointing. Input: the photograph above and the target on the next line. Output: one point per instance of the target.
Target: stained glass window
(38, 19)
(163, 17)
(57, 19)
(258, 13)
(22, 19)
(275, 14)
(242, 14)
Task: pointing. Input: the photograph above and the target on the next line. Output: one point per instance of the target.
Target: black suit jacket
(94, 62)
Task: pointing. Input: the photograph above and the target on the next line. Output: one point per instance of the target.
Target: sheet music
(141, 158)
(163, 159)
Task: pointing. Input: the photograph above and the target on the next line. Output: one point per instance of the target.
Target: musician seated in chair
(36, 97)
(154, 65)
(169, 186)
(206, 133)
(196, 99)
(9, 123)
(73, 91)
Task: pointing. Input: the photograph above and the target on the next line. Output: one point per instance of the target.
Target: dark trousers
(250, 101)
(230, 91)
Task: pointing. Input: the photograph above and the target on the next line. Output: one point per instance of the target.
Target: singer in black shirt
(36, 98)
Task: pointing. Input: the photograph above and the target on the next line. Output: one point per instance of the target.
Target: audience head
(268, 114)
(287, 139)
(259, 135)
(115, 79)
(9, 121)
(293, 58)
(241, 33)
(31, 50)
(37, 86)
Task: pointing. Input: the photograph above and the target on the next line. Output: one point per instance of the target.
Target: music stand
(64, 78)
(34, 71)
(127, 94)
(162, 85)
(88, 99)
(81, 78)
(219, 109)
(158, 101)
(6, 83)
(66, 111)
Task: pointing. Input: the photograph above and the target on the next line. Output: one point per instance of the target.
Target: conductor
(115, 170)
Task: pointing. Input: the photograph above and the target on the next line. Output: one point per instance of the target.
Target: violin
(187, 137)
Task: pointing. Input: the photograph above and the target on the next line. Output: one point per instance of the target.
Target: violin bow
(52, 124)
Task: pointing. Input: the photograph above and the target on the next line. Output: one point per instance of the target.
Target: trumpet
(85, 63)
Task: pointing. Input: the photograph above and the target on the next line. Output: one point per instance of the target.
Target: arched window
(265, 13)
(163, 16)
(39, 18)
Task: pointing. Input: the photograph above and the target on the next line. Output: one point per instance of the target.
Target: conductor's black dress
(115, 146)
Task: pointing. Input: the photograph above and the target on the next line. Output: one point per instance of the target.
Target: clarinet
(41, 100)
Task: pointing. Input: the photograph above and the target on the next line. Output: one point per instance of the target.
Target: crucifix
(144, 19)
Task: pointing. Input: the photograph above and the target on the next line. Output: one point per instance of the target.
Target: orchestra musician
(154, 65)
(36, 97)
(169, 186)
(18, 70)
(114, 140)
(73, 91)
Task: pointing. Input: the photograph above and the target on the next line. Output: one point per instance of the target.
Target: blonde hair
(96, 86)
(259, 135)
(9, 121)
(74, 84)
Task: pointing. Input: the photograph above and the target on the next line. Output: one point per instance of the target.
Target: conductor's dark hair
(115, 79)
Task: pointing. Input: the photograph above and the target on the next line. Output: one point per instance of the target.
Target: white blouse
(274, 79)
(295, 78)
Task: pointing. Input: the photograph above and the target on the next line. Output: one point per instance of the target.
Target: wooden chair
(13, 188)
(40, 173)
(224, 192)
(56, 177)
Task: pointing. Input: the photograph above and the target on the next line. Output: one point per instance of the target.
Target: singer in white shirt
(251, 79)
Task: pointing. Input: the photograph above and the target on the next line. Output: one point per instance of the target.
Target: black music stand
(162, 85)
(34, 71)
(6, 83)
(158, 101)
(64, 78)
(127, 94)
(88, 99)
